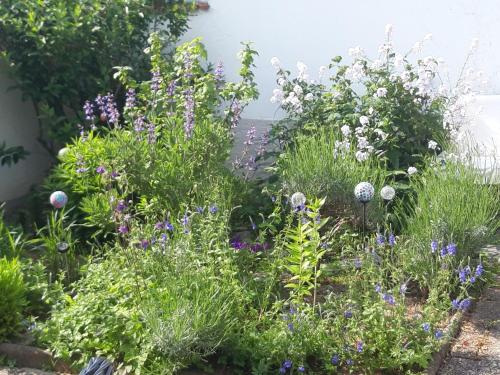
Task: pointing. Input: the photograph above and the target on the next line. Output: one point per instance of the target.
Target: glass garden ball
(364, 192)
(388, 193)
(58, 199)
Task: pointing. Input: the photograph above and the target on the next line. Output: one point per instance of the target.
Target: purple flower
(235, 113)
(282, 370)
(171, 88)
(479, 270)
(169, 226)
(426, 327)
(434, 246)
(389, 298)
(114, 175)
(144, 244)
(462, 275)
(380, 239)
(465, 304)
(121, 206)
(151, 134)
(200, 209)
(452, 249)
(335, 359)
(378, 288)
(359, 346)
(392, 240)
(219, 73)
(159, 225)
(438, 334)
(348, 314)
(301, 369)
(237, 244)
(444, 251)
(188, 112)
(100, 169)
(81, 170)
(111, 110)
(185, 220)
(287, 364)
(123, 229)
(89, 111)
(213, 209)
(349, 362)
(130, 98)
(472, 280)
(139, 124)
(155, 80)
(455, 304)
(290, 326)
(403, 288)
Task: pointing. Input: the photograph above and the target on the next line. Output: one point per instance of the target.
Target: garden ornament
(98, 366)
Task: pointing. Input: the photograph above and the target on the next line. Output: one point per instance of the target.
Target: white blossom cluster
(422, 79)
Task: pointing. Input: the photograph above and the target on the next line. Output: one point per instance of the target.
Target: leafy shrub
(316, 168)
(61, 52)
(12, 302)
(11, 243)
(168, 145)
(389, 106)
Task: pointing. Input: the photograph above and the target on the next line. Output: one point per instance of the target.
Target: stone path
(476, 351)
(22, 371)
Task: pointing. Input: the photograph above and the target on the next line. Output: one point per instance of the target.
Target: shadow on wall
(19, 127)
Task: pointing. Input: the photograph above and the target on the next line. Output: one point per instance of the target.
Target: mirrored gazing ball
(388, 193)
(364, 192)
(58, 199)
(63, 151)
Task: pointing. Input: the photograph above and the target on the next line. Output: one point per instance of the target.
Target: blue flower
(380, 239)
(455, 304)
(200, 209)
(290, 326)
(392, 240)
(444, 251)
(287, 364)
(213, 209)
(426, 327)
(301, 369)
(389, 298)
(349, 362)
(438, 334)
(100, 169)
(452, 249)
(465, 304)
(378, 288)
(472, 280)
(335, 359)
(169, 226)
(462, 276)
(359, 346)
(348, 314)
(434, 246)
(282, 370)
(479, 270)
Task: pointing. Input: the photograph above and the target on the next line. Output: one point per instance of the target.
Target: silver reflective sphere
(62, 247)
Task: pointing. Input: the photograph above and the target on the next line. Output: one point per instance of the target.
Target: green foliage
(11, 242)
(171, 146)
(303, 245)
(316, 168)
(62, 51)
(11, 155)
(13, 296)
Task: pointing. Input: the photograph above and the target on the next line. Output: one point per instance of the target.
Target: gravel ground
(476, 351)
(22, 371)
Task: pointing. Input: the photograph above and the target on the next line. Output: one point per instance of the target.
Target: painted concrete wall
(18, 126)
(313, 31)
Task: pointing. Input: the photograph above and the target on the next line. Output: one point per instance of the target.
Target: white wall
(18, 126)
(314, 31)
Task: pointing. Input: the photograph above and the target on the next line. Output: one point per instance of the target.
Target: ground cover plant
(148, 260)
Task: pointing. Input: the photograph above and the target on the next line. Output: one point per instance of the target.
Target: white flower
(275, 62)
(281, 81)
(298, 199)
(381, 133)
(371, 110)
(387, 193)
(433, 145)
(360, 130)
(277, 96)
(322, 71)
(474, 44)
(362, 143)
(346, 130)
(381, 92)
(412, 170)
(388, 30)
(356, 52)
(298, 90)
(364, 120)
(361, 156)
(309, 97)
(398, 60)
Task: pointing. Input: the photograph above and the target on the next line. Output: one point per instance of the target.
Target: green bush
(62, 52)
(12, 300)
(317, 168)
